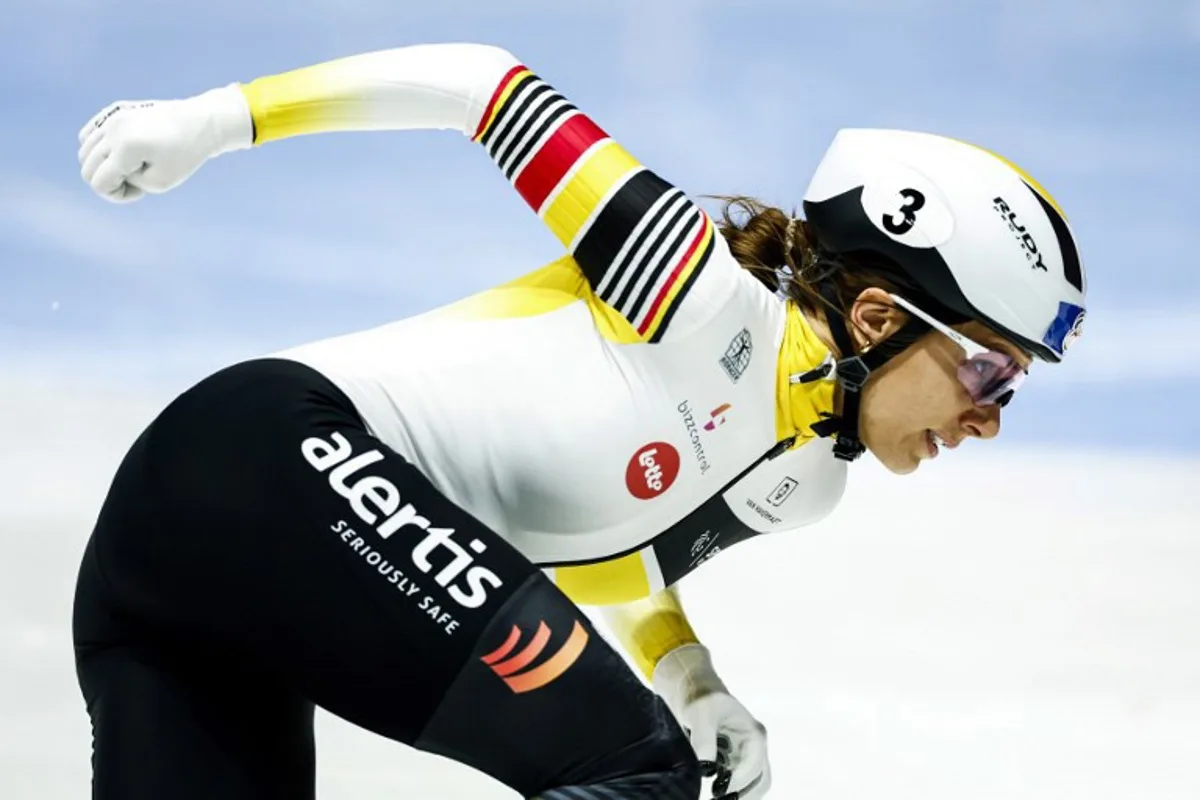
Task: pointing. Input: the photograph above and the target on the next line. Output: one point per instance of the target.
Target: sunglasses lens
(991, 378)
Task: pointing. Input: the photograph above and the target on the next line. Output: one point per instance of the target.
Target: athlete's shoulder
(726, 286)
(799, 488)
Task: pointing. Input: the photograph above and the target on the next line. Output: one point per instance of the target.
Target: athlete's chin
(895, 459)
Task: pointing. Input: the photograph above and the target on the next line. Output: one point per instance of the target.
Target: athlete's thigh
(184, 723)
(417, 579)
(259, 514)
(162, 730)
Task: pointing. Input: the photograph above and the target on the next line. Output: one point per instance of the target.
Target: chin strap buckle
(848, 448)
(852, 373)
(846, 444)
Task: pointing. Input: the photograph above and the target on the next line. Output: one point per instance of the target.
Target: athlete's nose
(981, 422)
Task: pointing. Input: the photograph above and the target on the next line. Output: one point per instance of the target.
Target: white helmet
(964, 226)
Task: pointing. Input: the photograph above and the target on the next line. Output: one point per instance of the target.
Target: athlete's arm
(639, 241)
(656, 633)
(642, 245)
(650, 628)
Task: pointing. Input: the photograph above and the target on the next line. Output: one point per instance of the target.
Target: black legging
(259, 553)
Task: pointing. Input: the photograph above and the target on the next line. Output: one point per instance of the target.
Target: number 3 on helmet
(965, 226)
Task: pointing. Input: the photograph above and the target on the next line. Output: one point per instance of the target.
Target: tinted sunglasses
(989, 377)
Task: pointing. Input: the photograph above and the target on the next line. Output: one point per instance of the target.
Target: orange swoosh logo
(509, 666)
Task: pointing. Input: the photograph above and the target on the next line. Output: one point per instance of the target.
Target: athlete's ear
(874, 317)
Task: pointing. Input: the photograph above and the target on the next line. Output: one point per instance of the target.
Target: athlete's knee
(677, 781)
(682, 780)
(662, 767)
(677, 774)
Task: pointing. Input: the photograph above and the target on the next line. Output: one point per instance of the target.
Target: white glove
(151, 146)
(728, 740)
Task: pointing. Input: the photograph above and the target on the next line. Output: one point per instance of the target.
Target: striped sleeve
(640, 242)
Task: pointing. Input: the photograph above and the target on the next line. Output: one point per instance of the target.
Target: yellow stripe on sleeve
(512, 81)
(579, 198)
(286, 105)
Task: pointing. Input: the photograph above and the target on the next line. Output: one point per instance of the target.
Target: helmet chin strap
(851, 371)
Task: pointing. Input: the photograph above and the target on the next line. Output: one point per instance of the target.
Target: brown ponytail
(759, 238)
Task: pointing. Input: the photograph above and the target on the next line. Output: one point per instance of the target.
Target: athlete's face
(917, 396)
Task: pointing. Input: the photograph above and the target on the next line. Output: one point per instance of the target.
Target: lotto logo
(652, 470)
(508, 665)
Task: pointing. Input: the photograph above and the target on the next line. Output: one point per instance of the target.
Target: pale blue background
(306, 238)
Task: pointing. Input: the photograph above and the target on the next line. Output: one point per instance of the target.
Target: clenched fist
(133, 148)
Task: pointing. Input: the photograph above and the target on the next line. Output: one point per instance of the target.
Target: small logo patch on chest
(737, 355)
(717, 417)
(782, 492)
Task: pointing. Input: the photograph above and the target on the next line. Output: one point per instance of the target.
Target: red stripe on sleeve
(555, 158)
(491, 106)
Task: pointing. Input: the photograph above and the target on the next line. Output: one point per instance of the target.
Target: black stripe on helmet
(1072, 270)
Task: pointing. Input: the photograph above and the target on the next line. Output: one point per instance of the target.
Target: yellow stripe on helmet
(1037, 187)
